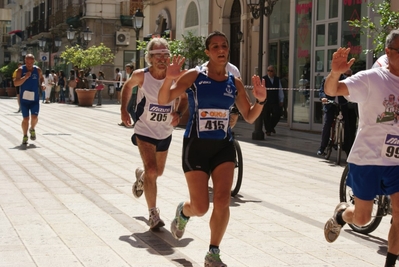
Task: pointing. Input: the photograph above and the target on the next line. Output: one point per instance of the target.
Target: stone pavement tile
(98, 256)
(17, 257)
(58, 260)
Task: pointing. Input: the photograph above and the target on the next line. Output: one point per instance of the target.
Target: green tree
(87, 58)
(6, 72)
(389, 21)
(191, 47)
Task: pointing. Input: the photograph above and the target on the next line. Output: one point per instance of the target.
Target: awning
(19, 33)
(14, 31)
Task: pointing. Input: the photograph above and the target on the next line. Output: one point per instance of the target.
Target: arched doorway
(235, 28)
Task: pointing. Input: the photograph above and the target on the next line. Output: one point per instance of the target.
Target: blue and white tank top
(209, 106)
(153, 120)
(29, 90)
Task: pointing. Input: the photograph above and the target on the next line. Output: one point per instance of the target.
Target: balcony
(73, 16)
(6, 40)
(74, 21)
(36, 27)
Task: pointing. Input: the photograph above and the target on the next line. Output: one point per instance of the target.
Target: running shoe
(138, 186)
(212, 258)
(332, 229)
(25, 140)
(32, 134)
(155, 220)
(179, 223)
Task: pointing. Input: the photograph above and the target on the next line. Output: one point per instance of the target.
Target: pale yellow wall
(395, 5)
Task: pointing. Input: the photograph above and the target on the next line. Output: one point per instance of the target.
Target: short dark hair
(212, 34)
(129, 65)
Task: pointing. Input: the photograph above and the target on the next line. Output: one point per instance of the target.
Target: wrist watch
(261, 103)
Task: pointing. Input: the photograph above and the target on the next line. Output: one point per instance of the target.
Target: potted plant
(6, 73)
(85, 59)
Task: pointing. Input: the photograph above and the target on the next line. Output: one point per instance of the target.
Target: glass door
(326, 41)
(278, 57)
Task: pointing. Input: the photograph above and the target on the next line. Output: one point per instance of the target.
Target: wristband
(179, 113)
(261, 103)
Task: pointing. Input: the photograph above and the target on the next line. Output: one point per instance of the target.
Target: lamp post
(71, 32)
(23, 51)
(56, 42)
(137, 21)
(259, 9)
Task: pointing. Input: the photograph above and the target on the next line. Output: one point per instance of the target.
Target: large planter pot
(11, 91)
(86, 97)
(3, 92)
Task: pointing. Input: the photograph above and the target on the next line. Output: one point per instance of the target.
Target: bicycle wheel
(238, 170)
(339, 143)
(329, 149)
(346, 195)
(330, 144)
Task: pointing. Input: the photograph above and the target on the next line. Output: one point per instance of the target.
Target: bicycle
(336, 134)
(238, 169)
(381, 207)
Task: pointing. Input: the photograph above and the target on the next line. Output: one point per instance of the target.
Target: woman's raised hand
(175, 67)
(259, 90)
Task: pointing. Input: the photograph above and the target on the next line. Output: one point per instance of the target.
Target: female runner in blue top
(208, 150)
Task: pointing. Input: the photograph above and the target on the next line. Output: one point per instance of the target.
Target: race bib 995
(390, 148)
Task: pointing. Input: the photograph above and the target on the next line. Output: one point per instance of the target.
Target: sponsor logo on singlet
(160, 109)
(392, 140)
(204, 82)
(229, 92)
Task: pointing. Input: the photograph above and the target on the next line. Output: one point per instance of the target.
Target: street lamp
(24, 51)
(259, 9)
(56, 42)
(137, 21)
(71, 32)
(87, 35)
(42, 42)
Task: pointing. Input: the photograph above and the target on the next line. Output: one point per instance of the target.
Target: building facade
(298, 37)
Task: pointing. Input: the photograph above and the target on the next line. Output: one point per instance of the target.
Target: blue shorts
(161, 145)
(32, 106)
(370, 180)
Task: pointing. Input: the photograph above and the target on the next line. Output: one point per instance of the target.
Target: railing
(6, 40)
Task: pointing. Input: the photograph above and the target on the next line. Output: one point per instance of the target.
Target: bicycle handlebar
(330, 102)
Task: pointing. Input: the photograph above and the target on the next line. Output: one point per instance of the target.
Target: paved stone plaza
(65, 199)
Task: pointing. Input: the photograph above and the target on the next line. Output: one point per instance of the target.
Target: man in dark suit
(271, 112)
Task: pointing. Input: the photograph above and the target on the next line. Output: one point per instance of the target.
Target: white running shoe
(155, 220)
(332, 229)
(138, 186)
